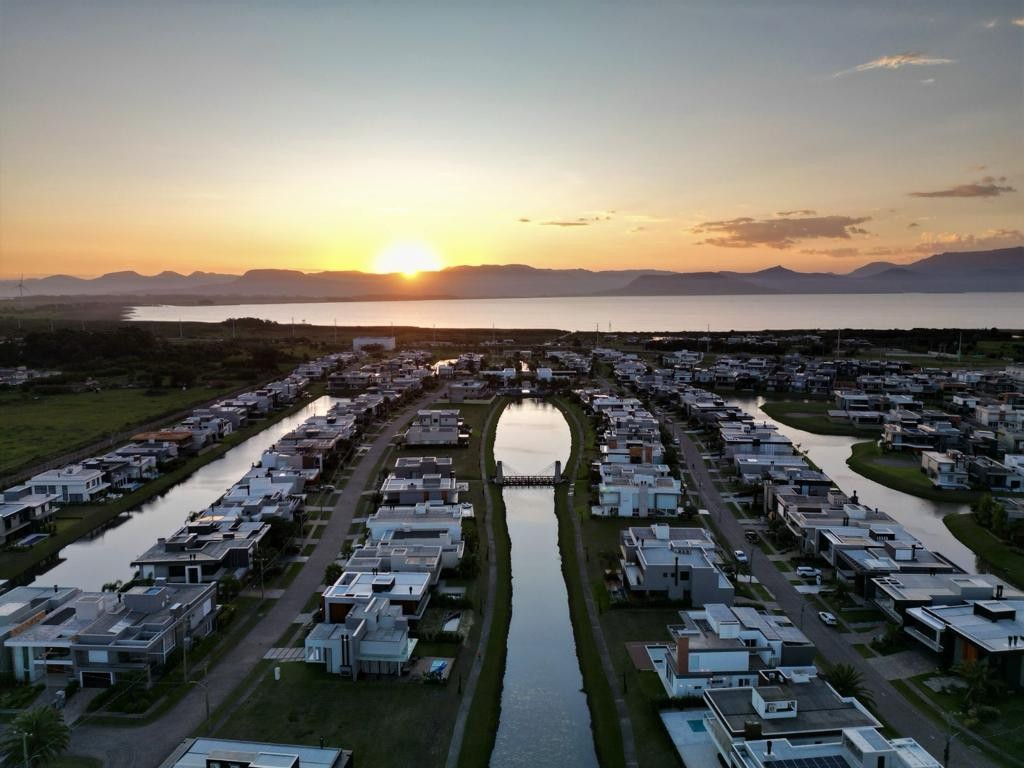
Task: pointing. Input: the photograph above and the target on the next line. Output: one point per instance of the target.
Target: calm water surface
(921, 517)
(634, 313)
(544, 715)
(89, 563)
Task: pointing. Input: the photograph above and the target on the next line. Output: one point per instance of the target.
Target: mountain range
(983, 271)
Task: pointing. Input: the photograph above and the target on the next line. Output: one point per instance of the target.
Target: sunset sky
(223, 136)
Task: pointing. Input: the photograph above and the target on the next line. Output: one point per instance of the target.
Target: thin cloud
(928, 81)
(913, 224)
(989, 186)
(932, 242)
(572, 223)
(896, 61)
(781, 233)
(833, 253)
(1018, 22)
(799, 212)
(990, 24)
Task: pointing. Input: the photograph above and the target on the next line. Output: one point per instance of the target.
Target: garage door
(97, 679)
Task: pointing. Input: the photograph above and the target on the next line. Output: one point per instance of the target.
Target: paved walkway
(890, 704)
(147, 746)
(625, 723)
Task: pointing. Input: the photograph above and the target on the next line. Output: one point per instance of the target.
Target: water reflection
(106, 554)
(544, 715)
(922, 517)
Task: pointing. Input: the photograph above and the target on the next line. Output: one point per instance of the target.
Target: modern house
(385, 557)
(896, 594)
(986, 630)
(421, 517)
(24, 511)
(413, 467)
(96, 637)
(205, 550)
(801, 712)
(436, 489)
(720, 646)
(372, 637)
(222, 753)
(858, 747)
(673, 563)
(945, 470)
(409, 591)
(24, 606)
(72, 483)
(638, 495)
(437, 427)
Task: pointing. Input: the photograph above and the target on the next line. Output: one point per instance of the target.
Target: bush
(71, 688)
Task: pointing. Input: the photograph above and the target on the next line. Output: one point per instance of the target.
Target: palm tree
(981, 679)
(40, 733)
(848, 681)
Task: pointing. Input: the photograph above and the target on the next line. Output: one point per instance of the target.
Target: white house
(372, 637)
(945, 470)
(72, 483)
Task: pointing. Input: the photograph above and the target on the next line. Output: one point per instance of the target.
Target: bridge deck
(528, 480)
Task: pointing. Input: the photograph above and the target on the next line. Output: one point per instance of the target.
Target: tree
(841, 591)
(981, 679)
(332, 573)
(848, 681)
(41, 732)
(983, 510)
(1000, 523)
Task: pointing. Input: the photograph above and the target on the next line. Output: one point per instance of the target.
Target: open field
(812, 416)
(900, 472)
(40, 426)
(1004, 559)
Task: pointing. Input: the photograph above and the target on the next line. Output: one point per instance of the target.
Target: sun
(407, 257)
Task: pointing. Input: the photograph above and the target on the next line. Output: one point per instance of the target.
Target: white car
(827, 618)
(807, 572)
(740, 555)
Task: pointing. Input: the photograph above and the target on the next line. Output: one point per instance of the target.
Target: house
(945, 470)
(205, 550)
(411, 467)
(409, 590)
(21, 608)
(897, 593)
(437, 427)
(638, 495)
(673, 563)
(24, 511)
(96, 637)
(720, 646)
(399, 491)
(461, 391)
(372, 637)
(222, 753)
(750, 440)
(986, 630)
(421, 517)
(860, 747)
(989, 473)
(73, 483)
(808, 711)
(385, 557)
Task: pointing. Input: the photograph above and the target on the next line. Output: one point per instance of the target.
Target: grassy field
(76, 521)
(899, 472)
(812, 416)
(1002, 558)
(600, 699)
(39, 426)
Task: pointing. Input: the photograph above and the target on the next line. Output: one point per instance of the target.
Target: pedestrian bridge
(550, 475)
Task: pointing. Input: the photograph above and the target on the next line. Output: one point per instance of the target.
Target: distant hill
(954, 272)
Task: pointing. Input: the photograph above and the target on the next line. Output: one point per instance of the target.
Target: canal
(921, 517)
(544, 715)
(105, 555)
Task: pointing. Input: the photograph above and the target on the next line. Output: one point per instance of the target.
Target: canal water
(106, 555)
(921, 517)
(544, 716)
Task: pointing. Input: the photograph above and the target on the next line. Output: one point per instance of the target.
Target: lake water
(544, 716)
(921, 517)
(638, 313)
(106, 556)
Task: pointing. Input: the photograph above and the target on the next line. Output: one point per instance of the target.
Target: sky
(224, 136)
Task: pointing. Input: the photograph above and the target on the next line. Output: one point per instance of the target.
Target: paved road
(890, 704)
(147, 746)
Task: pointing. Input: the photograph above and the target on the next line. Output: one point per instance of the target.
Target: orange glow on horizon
(408, 258)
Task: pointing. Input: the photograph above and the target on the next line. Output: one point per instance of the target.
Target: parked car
(740, 555)
(828, 618)
(752, 537)
(807, 572)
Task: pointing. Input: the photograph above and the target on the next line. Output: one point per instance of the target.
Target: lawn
(899, 472)
(812, 416)
(39, 426)
(388, 723)
(1007, 561)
